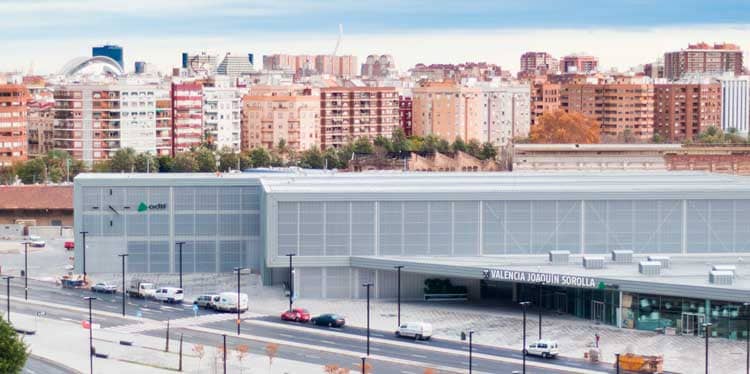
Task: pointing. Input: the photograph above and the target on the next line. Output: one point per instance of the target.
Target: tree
(228, 159)
(488, 151)
(206, 159)
(334, 160)
(657, 139)
(13, 351)
(146, 163)
(271, 350)
(363, 146)
(443, 146)
(562, 127)
(458, 145)
(123, 160)
(712, 135)
(473, 147)
(259, 157)
(8, 175)
(628, 137)
(383, 143)
(429, 145)
(400, 143)
(103, 166)
(166, 164)
(733, 136)
(311, 159)
(32, 171)
(185, 162)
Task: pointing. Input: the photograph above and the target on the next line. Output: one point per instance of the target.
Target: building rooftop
(36, 197)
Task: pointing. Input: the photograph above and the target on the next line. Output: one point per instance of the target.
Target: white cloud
(621, 48)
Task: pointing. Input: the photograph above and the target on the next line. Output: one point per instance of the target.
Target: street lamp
(91, 335)
(239, 303)
(617, 363)
(291, 280)
(747, 337)
(367, 286)
(7, 290)
(398, 291)
(25, 269)
(707, 326)
(463, 337)
(122, 256)
(539, 306)
(525, 305)
(179, 244)
(364, 369)
(84, 254)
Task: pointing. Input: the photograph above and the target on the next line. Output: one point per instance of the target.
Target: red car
(296, 315)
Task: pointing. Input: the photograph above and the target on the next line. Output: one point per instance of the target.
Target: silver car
(207, 301)
(105, 287)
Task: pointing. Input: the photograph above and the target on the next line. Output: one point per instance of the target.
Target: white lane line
(378, 335)
(418, 355)
(68, 319)
(327, 342)
(287, 336)
(313, 357)
(407, 372)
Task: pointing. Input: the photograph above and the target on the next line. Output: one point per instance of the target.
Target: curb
(55, 363)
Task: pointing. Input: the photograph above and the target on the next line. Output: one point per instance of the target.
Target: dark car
(330, 319)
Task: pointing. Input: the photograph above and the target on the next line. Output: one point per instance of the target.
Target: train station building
(645, 250)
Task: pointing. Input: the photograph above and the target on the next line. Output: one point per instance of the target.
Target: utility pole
(26, 270)
(122, 256)
(84, 254)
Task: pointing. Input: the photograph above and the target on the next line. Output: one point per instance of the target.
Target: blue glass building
(112, 51)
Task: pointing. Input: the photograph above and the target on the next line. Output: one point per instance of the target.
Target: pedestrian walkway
(149, 325)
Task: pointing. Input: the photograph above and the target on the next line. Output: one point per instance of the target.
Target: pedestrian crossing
(149, 324)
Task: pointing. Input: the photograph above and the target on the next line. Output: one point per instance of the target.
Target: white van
(416, 330)
(228, 302)
(544, 348)
(169, 294)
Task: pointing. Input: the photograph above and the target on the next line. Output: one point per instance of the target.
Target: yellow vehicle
(634, 363)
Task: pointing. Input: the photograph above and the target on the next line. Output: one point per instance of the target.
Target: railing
(445, 297)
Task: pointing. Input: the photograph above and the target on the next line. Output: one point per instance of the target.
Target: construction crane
(338, 41)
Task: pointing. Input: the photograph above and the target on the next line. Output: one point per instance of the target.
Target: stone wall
(726, 163)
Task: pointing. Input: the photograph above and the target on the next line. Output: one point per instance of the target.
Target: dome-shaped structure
(96, 64)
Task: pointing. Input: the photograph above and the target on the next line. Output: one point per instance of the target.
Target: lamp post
(707, 326)
(470, 333)
(617, 363)
(747, 337)
(25, 270)
(539, 306)
(122, 257)
(91, 335)
(363, 364)
(367, 286)
(398, 292)
(179, 245)
(239, 303)
(291, 280)
(525, 305)
(7, 293)
(84, 254)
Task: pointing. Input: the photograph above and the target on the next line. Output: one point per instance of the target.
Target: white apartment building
(506, 112)
(221, 116)
(735, 103)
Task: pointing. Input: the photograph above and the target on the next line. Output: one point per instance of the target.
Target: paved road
(36, 365)
(307, 334)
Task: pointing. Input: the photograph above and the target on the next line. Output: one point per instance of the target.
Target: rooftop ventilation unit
(593, 262)
(731, 268)
(721, 277)
(665, 261)
(622, 256)
(559, 257)
(649, 268)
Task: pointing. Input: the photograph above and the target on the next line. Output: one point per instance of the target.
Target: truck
(634, 363)
(142, 289)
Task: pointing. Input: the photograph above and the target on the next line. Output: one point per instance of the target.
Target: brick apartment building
(448, 110)
(582, 64)
(545, 97)
(539, 63)
(13, 123)
(405, 109)
(187, 116)
(703, 58)
(41, 116)
(682, 111)
(348, 113)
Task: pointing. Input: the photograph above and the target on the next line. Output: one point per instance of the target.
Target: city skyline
(412, 33)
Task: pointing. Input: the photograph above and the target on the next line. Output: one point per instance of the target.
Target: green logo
(142, 207)
(601, 286)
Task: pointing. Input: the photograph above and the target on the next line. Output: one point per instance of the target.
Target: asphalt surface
(349, 338)
(36, 365)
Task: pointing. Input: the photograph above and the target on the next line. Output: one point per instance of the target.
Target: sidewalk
(502, 327)
(68, 343)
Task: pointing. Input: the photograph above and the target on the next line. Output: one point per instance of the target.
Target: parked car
(207, 301)
(228, 302)
(169, 294)
(296, 315)
(105, 287)
(37, 243)
(70, 245)
(329, 319)
(544, 348)
(139, 288)
(416, 330)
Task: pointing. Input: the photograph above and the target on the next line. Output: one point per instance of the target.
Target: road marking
(379, 335)
(327, 342)
(312, 356)
(287, 335)
(418, 355)
(407, 372)
(68, 319)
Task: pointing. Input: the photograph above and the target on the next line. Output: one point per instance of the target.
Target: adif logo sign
(142, 207)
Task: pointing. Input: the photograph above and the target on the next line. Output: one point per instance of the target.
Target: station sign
(551, 279)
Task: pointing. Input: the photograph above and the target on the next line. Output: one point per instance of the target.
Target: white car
(416, 330)
(37, 243)
(543, 348)
(169, 294)
(228, 302)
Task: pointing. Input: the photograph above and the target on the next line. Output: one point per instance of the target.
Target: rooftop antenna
(338, 41)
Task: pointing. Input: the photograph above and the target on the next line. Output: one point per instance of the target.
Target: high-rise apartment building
(379, 66)
(112, 51)
(448, 110)
(13, 123)
(273, 114)
(339, 66)
(654, 70)
(290, 63)
(506, 113)
(480, 71)
(41, 115)
(539, 63)
(221, 117)
(684, 110)
(735, 103)
(545, 97)
(187, 116)
(349, 113)
(236, 65)
(200, 64)
(579, 63)
(405, 110)
(93, 121)
(703, 58)
(304, 65)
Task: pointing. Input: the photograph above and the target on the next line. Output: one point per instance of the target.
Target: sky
(44, 34)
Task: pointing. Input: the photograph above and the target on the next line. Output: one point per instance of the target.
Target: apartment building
(684, 110)
(545, 97)
(270, 115)
(579, 63)
(703, 58)
(236, 65)
(348, 113)
(13, 123)
(539, 63)
(405, 111)
(221, 117)
(448, 110)
(187, 116)
(506, 113)
(735, 103)
(41, 116)
(339, 66)
(381, 66)
(290, 63)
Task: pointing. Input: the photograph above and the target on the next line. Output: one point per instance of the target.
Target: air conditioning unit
(622, 256)
(593, 262)
(721, 277)
(649, 268)
(559, 257)
(731, 268)
(665, 260)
